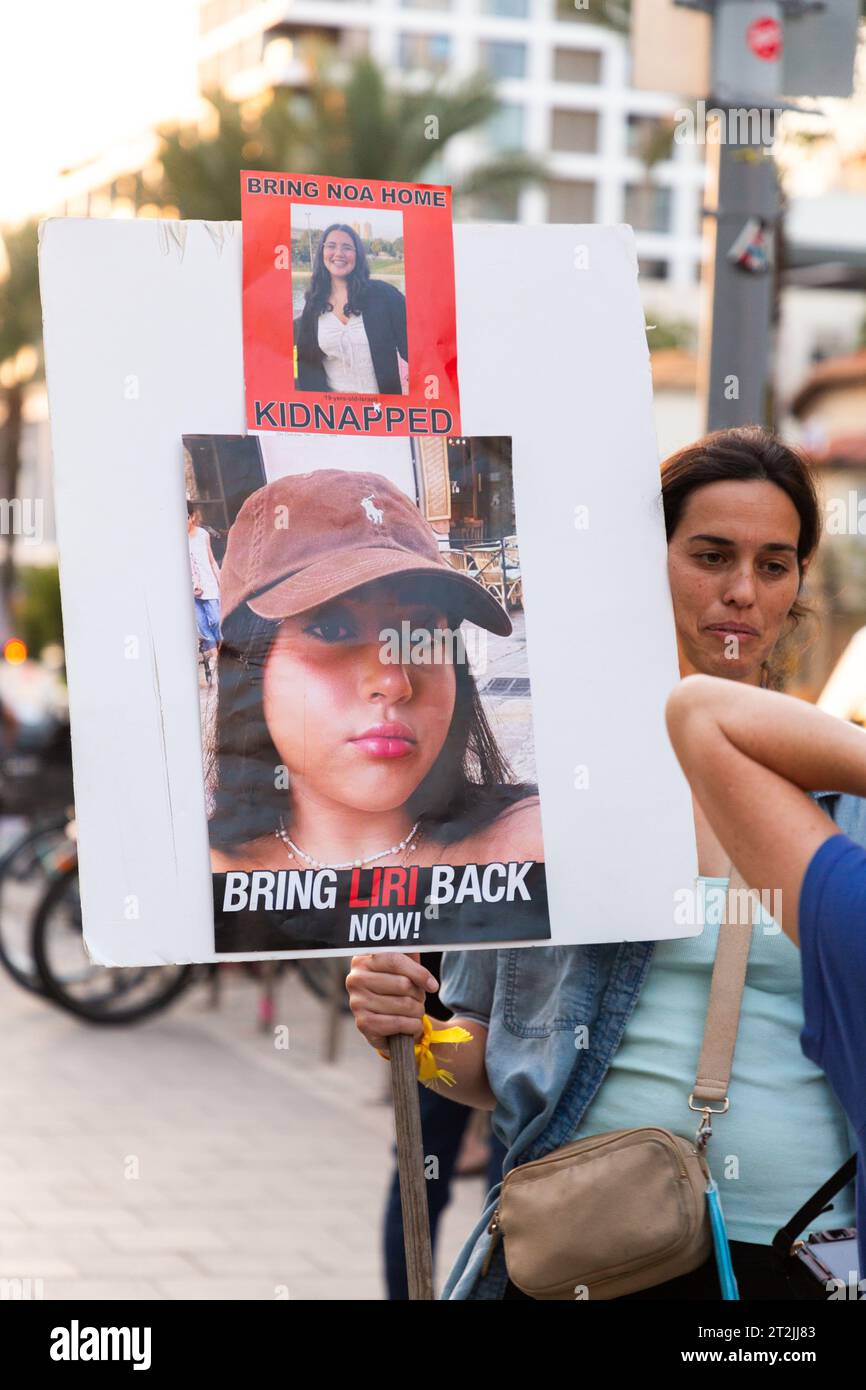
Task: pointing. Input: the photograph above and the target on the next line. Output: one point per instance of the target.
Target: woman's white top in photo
(202, 569)
(347, 359)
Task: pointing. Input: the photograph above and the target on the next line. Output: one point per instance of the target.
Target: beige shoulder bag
(614, 1213)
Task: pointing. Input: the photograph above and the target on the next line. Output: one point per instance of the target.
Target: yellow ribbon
(427, 1069)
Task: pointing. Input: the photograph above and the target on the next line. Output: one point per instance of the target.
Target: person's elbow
(688, 711)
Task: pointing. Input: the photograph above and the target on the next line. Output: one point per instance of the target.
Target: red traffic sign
(764, 37)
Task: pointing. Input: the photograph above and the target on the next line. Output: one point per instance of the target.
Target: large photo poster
(366, 710)
(349, 312)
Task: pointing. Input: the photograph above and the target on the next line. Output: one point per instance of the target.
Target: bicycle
(92, 992)
(36, 786)
(26, 868)
(129, 994)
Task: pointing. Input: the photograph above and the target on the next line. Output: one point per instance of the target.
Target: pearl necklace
(294, 849)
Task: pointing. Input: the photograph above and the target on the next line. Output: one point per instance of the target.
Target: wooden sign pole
(410, 1167)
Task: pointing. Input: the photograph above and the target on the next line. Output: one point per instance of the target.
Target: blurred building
(677, 406)
(563, 84)
(831, 404)
(830, 407)
(565, 97)
(823, 305)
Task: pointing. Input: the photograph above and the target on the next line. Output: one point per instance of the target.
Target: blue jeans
(207, 620)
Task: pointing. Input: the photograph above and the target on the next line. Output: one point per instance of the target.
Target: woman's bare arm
(386, 994)
(750, 756)
(466, 1063)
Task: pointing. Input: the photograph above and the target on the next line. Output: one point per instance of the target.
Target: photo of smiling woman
(335, 749)
(351, 335)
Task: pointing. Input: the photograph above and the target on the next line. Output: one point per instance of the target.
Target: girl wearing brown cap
(327, 752)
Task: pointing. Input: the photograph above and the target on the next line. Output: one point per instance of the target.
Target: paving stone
(256, 1168)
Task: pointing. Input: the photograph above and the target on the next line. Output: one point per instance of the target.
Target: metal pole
(746, 88)
(506, 604)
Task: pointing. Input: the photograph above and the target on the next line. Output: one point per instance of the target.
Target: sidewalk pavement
(510, 715)
(190, 1158)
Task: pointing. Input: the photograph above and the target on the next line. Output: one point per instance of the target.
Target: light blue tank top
(785, 1134)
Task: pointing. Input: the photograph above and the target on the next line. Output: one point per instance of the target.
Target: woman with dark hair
(330, 750)
(716, 478)
(742, 522)
(351, 333)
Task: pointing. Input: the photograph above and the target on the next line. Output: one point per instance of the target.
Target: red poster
(349, 311)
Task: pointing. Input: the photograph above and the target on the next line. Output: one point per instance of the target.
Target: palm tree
(20, 331)
(200, 173)
(353, 128)
(653, 147)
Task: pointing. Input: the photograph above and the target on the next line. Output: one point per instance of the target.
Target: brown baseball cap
(308, 538)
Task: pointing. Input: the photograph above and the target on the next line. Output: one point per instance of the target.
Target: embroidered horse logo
(374, 513)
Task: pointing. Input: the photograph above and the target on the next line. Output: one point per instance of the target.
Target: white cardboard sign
(143, 346)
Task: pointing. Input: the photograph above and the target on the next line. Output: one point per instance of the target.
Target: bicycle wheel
(87, 990)
(26, 868)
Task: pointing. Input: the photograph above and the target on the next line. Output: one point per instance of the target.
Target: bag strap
(784, 1239)
(717, 1051)
(726, 996)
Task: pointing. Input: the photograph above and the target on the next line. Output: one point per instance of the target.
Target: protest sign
(353, 705)
(143, 344)
(349, 316)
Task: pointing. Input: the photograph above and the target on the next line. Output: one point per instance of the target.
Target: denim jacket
(543, 1082)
